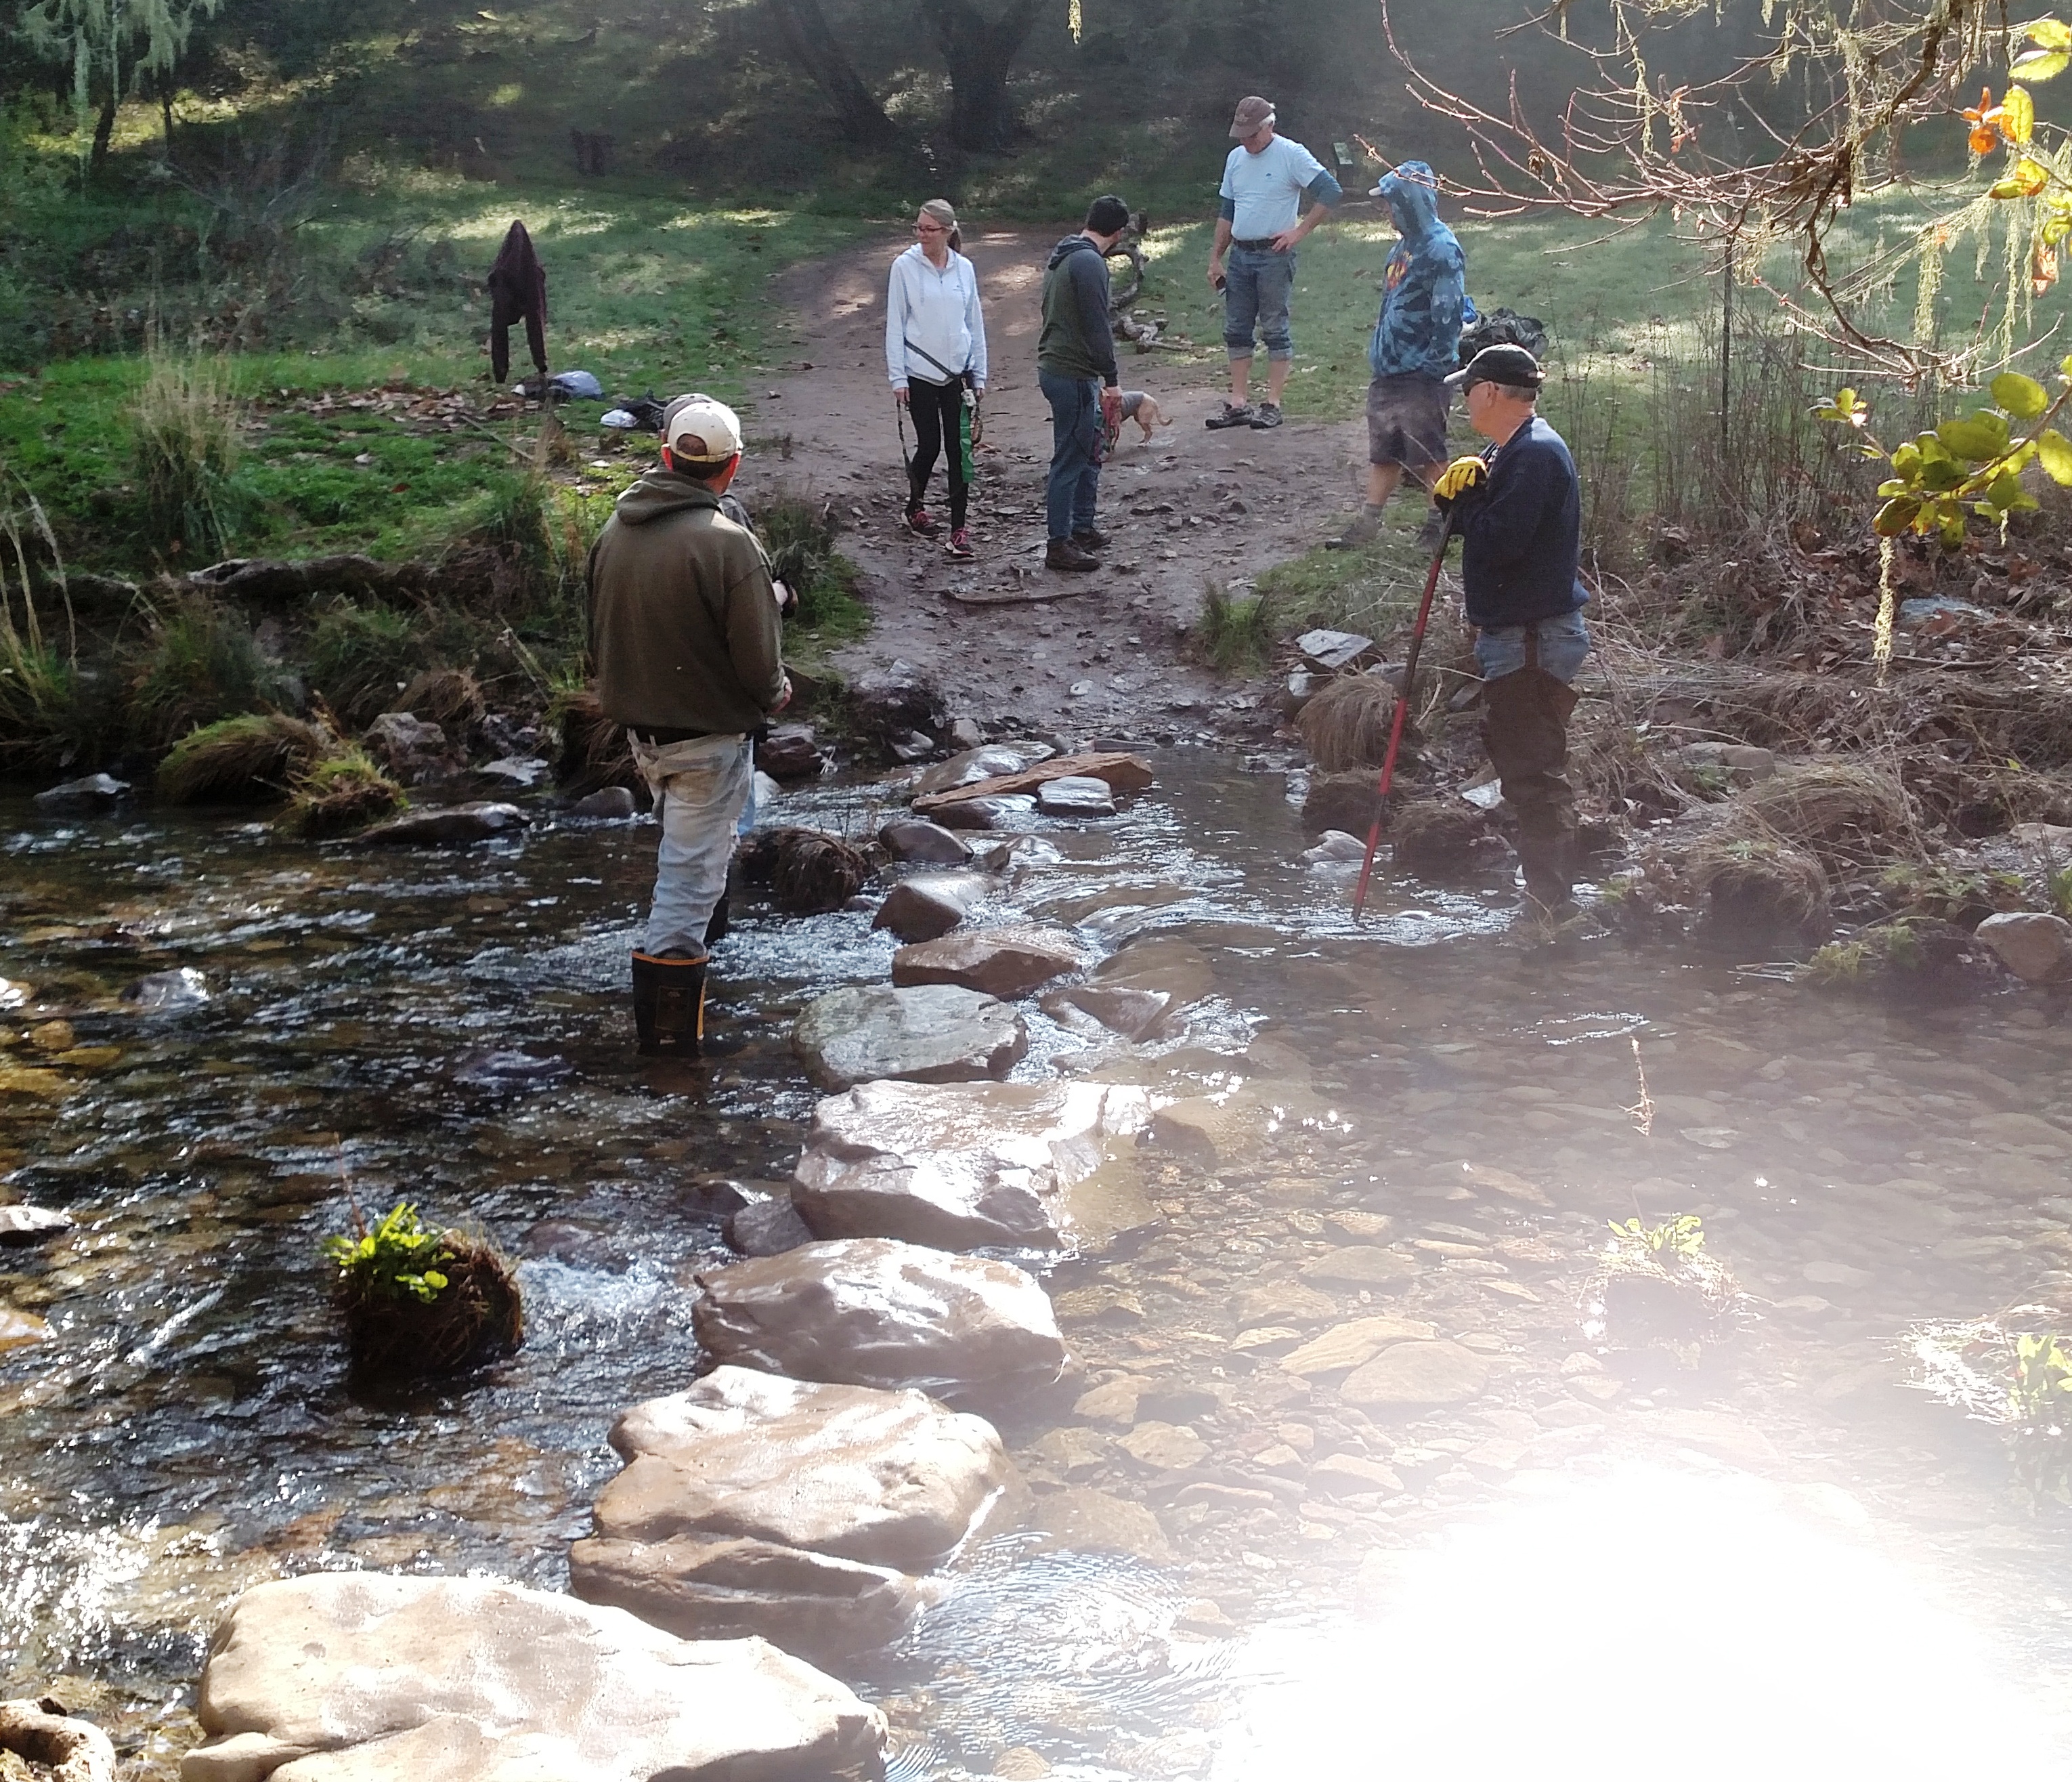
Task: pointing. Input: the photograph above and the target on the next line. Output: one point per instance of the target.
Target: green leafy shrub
(799, 536)
(417, 1301)
(397, 1257)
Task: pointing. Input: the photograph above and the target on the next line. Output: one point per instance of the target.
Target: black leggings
(939, 414)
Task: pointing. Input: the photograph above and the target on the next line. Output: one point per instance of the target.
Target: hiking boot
(958, 545)
(919, 522)
(1235, 414)
(1365, 529)
(1433, 529)
(1267, 414)
(1062, 554)
(669, 1003)
(1088, 539)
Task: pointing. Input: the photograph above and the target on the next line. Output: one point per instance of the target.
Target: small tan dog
(1141, 407)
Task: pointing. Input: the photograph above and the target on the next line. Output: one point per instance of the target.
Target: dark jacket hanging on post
(517, 292)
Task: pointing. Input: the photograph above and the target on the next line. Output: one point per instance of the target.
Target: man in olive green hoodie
(685, 628)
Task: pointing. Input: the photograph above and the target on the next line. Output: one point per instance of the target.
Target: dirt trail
(1190, 507)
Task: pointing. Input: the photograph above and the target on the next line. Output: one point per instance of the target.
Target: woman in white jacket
(935, 355)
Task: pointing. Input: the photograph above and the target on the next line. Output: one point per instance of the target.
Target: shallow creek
(1775, 1547)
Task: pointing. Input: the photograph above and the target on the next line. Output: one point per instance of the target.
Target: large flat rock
(753, 1503)
(344, 1676)
(1006, 962)
(927, 1033)
(959, 1166)
(873, 1312)
(890, 1478)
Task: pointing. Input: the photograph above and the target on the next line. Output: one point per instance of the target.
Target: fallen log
(270, 581)
(1123, 773)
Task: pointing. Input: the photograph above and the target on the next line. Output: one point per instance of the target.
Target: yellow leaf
(2041, 64)
(2050, 34)
(2053, 451)
(2017, 118)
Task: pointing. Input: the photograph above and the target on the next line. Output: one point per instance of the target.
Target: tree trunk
(980, 52)
(812, 46)
(104, 129)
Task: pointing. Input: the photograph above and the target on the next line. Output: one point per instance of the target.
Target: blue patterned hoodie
(1424, 287)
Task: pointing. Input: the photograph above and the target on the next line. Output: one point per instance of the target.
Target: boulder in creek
(1134, 1013)
(916, 839)
(897, 698)
(974, 765)
(27, 1224)
(959, 1166)
(930, 1033)
(96, 792)
(790, 751)
(607, 803)
(872, 1312)
(67, 1748)
(752, 1503)
(408, 748)
(767, 1227)
(447, 825)
(983, 814)
(370, 1677)
(2035, 947)
(1075, 795)
(928, 904)
(1006, 962)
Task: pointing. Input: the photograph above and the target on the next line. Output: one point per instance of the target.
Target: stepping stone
(1005, 962)
(913, 838)
(447, 826)
(96, 792)
(930, 1033)
(755, 1504)
(871, 1312)
(974, 765)
(1132, 1013)
(960, 1166)
(928, 904)
(2036, 948)
(1076, 795)
(366, 1677)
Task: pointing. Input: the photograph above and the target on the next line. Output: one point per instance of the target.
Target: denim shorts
(1564, 642)
(1257, 283)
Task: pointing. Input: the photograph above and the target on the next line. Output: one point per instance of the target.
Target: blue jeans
(701, 788)
(1256, 284)
(1563, 642)
(1076, 429)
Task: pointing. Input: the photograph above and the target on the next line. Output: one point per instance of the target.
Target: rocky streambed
(1206, 1361)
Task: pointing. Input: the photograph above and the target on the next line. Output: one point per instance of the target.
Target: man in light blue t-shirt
(1253, 262)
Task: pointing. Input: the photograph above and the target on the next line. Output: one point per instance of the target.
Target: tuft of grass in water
(203, 664)
(185, 424)
(1236, 634)
(1839, 965)
(250, 760)
(361, 659)
(51, 716)
(340, 792)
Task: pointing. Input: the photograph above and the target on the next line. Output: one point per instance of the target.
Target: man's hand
(1215, 273)
(899, 394)
(787, 601)
(1458, 477)
(1288, 240)
(783, 697)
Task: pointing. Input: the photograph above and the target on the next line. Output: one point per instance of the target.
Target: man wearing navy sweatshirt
(1517, 510)
(1076, 371)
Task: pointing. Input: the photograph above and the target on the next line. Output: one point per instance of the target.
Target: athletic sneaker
(1267, 414)
(918, 520)
(958, 544)
(1088, 539)
(1235, 414)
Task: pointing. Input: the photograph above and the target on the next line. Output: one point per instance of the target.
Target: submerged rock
(956, 1166)
(447, 826)
(2034, 947)
(609, 804)
(26, 1225)
(166, 992)
(983, 813)
(913, 838)
(1005, 962)
(871, 1312)
(96, 792)
(367, 1678)
(1134, 1013)
(1415, 1375)
(930, 1033)
(752, 1503)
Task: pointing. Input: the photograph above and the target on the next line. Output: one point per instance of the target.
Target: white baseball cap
(699, 427)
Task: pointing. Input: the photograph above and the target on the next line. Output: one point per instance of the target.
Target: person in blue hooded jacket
(1415, 347)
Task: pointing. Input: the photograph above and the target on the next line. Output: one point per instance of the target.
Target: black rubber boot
(716, 928)
(669, 1004)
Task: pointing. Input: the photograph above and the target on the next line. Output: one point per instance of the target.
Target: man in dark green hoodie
(1076, 371)
(684, 626)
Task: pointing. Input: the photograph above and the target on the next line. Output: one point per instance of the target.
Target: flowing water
(1765, 1552)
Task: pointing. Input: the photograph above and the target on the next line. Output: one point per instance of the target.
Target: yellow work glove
(1458, 478)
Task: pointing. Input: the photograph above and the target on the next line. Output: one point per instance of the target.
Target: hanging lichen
(1074, 20)
(1929, 286)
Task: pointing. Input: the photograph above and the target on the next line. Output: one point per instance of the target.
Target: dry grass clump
(1347, 801)
(1757, 889)
(443, 696)
(253, 760)
(1845, 813)
(594, 753)
(344, 791)
(1440, 840)
(186, 426)
(809, 873)
(1347, 724)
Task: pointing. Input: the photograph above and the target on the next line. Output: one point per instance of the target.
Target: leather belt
(1257, 244)
(660, 736)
